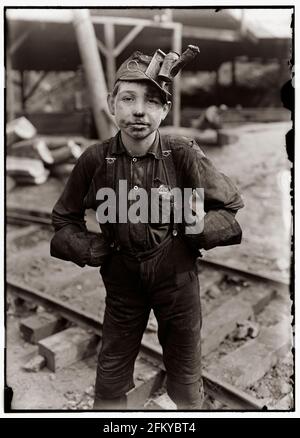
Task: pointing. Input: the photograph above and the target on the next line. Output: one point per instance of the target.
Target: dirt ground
(258, 164)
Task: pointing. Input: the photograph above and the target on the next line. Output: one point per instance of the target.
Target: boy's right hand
(78, 246)
(99, 250)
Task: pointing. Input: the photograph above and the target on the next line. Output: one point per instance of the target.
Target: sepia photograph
(149, 181)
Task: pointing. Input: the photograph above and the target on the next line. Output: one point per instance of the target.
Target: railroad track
(230, 298)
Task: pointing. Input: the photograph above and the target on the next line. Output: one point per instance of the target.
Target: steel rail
(225, 392)
(18, 218)
(248, 273)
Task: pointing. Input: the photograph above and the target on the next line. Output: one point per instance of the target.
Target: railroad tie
(40, 326)
(249, 363)
(67, 347)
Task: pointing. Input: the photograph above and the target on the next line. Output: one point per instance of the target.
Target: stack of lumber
(32, 158)
(19, 129)
(26, 170)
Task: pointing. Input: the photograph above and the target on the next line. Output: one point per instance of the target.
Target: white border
(154, 415)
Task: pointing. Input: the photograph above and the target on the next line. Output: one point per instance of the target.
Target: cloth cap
(134, 69)
(160, 69)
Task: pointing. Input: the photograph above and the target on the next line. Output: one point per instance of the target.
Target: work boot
(104, 404)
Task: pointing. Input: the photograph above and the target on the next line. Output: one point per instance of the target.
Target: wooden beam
(127, 21)
(177, 47)
(41, 325)
(67, 347)
(102, 48)
(109, 37)
(35, 86)
(250, 362)
(9, 88)
(221, 322)
(19, 41)
(205, 33)
(128, 39)
(16, 82)
(23, 99)
(91, 60)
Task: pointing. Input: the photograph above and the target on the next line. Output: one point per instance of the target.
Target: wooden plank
(205, 33)
(148, 379)
(40, 326)
(247, 364)
(163, 403)
(129, 21)
(102, 47)
(36, 85)
(60, 123)
(67, 347)
(222, 321)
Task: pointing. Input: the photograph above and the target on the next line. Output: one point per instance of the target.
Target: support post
(233, 73)
(177, 47)
(217, 85)
(109, 37)
(23, 97)
(91, 60)
(9, 88)
(36, 85)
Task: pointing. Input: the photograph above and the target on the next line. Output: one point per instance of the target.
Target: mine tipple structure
(100, 40)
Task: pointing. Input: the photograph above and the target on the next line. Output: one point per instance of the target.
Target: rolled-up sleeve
(221, 201)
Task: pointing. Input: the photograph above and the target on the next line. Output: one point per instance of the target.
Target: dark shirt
(144, 171)
(193, 170)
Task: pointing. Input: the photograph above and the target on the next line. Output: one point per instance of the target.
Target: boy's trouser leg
(125, 320)
(178, 312)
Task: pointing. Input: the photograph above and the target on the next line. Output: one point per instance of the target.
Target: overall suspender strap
(110, 169)
(169, 167)
(168, 161)
(111, 182)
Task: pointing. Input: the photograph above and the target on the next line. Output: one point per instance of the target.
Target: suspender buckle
(110, 160)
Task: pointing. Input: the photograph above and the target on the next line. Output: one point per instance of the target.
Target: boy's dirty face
(138, 108)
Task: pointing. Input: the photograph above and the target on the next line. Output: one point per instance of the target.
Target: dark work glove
(70, 243)
(220, 229)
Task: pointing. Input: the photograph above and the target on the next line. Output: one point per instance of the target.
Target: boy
(148, 263)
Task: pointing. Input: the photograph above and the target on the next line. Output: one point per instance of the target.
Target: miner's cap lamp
(160, 68)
